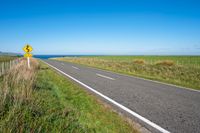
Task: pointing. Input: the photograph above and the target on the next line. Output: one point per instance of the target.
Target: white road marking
(114, 102)
(75, 67)
(105, 76)
(159, 82)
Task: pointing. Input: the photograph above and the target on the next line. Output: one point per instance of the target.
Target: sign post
(28, 49)
(28, 62)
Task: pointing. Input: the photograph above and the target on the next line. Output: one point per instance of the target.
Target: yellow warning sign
(28, 55)
(28, 48)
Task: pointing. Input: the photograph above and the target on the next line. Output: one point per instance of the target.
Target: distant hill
(10, 53)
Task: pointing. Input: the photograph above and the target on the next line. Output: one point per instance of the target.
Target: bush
(166, 63)
(139, 61)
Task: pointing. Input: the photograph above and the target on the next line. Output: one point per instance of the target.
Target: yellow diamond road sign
(28, 55)
(28, 48)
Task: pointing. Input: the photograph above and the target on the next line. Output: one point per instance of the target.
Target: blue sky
(122, 27)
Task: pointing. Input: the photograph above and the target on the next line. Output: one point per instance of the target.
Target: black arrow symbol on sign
(27, 48)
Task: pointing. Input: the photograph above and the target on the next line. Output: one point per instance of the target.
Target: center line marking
(75, 67)
(104, 76)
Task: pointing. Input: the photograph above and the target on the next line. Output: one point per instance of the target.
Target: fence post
(0, 69)
(6, 66)
(10, 64)
(3, 68)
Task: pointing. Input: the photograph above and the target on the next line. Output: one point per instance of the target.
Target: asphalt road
(172, 108)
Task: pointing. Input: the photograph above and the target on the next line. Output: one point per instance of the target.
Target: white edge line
(132, 76)
(104, 76)
(180, 87)
(75, 67)
(115, 103)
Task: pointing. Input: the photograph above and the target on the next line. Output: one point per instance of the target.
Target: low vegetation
(7, 58)
(186, 61)
(139, 61)
(178, 70)
(165, 63)
(41, 100)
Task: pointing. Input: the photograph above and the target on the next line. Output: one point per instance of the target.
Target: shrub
(165, 63)
(139, 61)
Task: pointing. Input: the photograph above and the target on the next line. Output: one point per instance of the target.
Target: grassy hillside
(41, 100)
(7, 58)
(178, 70)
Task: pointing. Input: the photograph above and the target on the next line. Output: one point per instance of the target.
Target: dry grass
(7, 58)
(166, 63)
(18, 84)
(139, 61)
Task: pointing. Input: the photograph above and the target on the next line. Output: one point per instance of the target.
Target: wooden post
(0, 68)
(3, 68)
(10, 64)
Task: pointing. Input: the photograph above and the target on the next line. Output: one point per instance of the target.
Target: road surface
(159, 107)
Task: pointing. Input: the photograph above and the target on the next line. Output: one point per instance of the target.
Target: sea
(56, 56)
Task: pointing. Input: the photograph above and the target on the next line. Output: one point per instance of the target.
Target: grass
(178, 70)
(41, 100)
(7, 58)
(189, 61)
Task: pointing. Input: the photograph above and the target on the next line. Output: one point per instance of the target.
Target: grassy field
(7, 58)
(41, 100)
(178, 70)
(189, 61)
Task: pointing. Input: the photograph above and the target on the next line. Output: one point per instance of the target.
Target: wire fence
(6, 66)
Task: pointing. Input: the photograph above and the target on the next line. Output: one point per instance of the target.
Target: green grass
(58, 105)
(178, 70)
(7, 58)
(189, 61)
